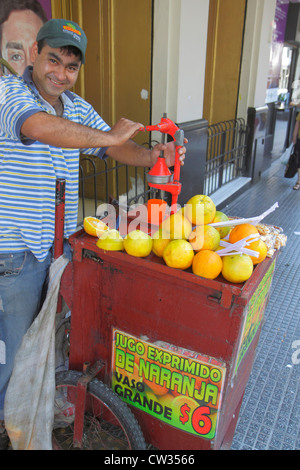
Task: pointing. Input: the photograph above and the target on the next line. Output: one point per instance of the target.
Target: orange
(262, 250)
(183, 408)
(159, 243)
(138, 243)
(207, 263)
(166, 400)
(204, 237)
(178, 254)
(157, 389)
(237, 268)
(176, 227)
(133, 374)
(200, 209)
(221, 217)
(94, 226)
(156, 211)
(240, 232)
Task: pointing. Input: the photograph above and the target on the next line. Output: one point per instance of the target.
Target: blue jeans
(23, 286)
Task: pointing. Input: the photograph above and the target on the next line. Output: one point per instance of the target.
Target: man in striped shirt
(43, 129)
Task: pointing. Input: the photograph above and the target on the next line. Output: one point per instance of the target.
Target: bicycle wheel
(108, 422)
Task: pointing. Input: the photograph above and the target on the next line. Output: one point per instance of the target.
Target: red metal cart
(177, 348)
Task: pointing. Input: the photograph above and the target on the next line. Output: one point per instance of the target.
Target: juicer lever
(160, 177)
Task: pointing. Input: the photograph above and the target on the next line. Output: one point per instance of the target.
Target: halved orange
(94, 226)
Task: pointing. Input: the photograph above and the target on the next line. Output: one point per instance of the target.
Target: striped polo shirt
(29, 169)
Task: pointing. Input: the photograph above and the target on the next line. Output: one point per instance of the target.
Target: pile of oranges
(186, 240)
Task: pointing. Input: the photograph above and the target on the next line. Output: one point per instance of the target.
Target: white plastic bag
(29, 401)
(286, 155)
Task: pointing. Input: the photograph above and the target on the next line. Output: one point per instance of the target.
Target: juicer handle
(179, 142)
(179, 138)
(165, 126)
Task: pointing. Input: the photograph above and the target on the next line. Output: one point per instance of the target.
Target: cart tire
(108, 422)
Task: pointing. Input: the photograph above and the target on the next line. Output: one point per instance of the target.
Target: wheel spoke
(108, 422)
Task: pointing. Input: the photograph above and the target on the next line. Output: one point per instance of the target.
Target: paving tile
(270, 414)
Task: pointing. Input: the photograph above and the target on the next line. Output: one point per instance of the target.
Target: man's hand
(169, 153)
(124, 130)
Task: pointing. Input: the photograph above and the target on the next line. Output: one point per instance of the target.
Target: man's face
(54, 71)
(18, 36)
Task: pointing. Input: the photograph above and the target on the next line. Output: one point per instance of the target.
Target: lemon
(204, 237)
(176, 226)
(221, 217)
(138, 243)
(200, 209)
(111, 240)
(262, 250)
(178, 254)
(237, 268)
(160, 242)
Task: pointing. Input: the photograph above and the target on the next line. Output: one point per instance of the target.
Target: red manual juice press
(160, 177)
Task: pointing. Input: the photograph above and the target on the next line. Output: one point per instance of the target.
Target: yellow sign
(177, 386)
(255, 313)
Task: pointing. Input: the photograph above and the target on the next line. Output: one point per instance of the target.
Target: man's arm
(131, 154)
(136, 155)
(60, 132)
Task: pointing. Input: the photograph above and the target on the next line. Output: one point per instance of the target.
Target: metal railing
(104, 181)
(101, 181)
(226, 153)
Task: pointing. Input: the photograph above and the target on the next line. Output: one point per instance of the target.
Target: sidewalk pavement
(270, 414)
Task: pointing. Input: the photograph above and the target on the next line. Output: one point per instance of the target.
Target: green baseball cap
(59, 32)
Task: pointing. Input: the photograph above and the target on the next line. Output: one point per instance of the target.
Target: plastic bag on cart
(29, 401)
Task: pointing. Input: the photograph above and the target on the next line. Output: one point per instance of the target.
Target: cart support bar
(88, 374)
(59, 218)
(59, 226)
